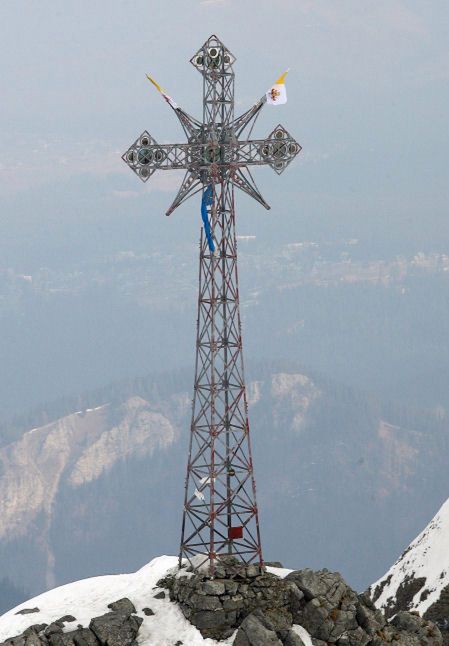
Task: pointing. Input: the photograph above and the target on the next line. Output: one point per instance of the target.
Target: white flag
(277, 94)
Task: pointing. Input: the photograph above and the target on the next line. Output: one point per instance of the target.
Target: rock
(84, 637)
(79, 637)
(53, 628)
(148, 612)
(315, 619)
(371, 620)
(115, 629)
(334, 613)
(252, 571)
(241, 639)
(279, 618)
(35, 628)
(253, 633)
(123, 606)
(231, 587)
(160, 595)
(356, 637)
(438, 612)
(209, 622)
(309, 582)
(204, 602)
(66, 619)
(323, 583)
(214, 587)
(273, 564)
(61, 639)
(407, 622)
(33, 640)
(292, 639)
(27, 611)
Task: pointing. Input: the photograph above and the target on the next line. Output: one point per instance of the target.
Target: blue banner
(207, 200)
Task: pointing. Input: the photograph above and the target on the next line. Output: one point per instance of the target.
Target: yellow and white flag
(277, 94)
(169, 100)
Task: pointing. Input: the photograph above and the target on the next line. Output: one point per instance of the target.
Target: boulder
(66, 619)
(35, 628)
(252, 632)
(292, 639)
(214, 587)
(123, 606)
(53, 628)
(116, 629)
(84, 637)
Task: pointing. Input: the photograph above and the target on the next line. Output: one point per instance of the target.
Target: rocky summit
(264, 608)
(240, 606)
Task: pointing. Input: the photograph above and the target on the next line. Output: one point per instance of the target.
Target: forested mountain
(343, 479)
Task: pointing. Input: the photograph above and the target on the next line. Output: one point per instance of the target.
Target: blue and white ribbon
(206, 201)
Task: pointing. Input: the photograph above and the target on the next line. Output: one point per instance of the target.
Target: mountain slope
(419, 580)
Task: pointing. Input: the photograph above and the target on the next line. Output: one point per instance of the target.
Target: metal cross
(220, 516)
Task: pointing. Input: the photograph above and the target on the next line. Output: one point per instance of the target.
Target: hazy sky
(368, 94)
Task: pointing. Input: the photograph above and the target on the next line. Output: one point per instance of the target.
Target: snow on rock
(90, 598)
(418, 577)
(302, 632)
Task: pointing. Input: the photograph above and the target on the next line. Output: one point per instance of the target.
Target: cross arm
(145, 156)
(277, 150)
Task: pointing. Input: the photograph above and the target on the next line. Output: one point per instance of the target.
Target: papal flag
(277, 94)
(169, 100)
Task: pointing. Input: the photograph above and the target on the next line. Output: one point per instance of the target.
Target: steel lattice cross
(220, 514)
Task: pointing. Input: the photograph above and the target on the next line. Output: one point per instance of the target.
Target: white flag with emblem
(277, 94)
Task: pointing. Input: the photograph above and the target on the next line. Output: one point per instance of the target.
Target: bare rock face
(334, 614)
(419, 580)
(67, 455)
(254, 631)
(438, 612)
(264, 609)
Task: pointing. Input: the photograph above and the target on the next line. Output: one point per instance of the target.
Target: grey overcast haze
(344, 283)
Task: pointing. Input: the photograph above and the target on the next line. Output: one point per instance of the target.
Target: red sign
(235, 532)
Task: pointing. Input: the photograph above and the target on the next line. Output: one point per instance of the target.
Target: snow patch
(302, 632)
(90, 598)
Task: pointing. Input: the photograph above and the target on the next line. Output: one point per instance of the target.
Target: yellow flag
(169, 100)
(154, 83)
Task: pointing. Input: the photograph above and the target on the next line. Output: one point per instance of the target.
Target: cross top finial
(213, 57)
